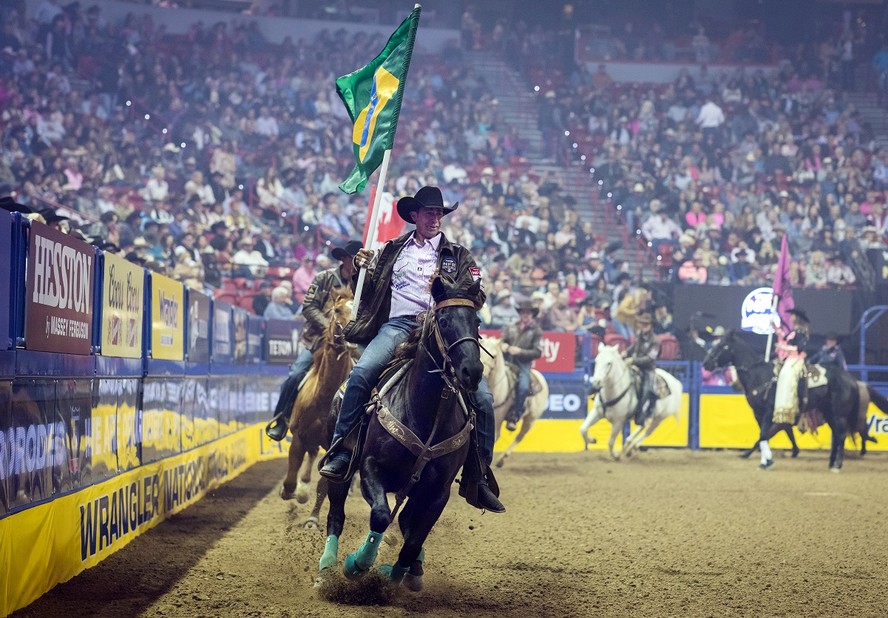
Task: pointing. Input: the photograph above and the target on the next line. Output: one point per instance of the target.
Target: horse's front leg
(360, 561)
(616, 428)
(526, 424)
(294, 465)
(837, 452)
(591, 418)
(337, 493)
(767, 431)
(302, 486)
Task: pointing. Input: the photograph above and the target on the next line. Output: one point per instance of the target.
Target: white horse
(617, 398)
(502, 386)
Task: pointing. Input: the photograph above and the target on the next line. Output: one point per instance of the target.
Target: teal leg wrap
(395, 572)
(361, 560)
(331, 553)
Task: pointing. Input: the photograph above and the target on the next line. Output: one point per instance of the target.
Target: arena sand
(671, 533)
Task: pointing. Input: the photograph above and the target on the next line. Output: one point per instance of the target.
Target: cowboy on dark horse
(396, 292)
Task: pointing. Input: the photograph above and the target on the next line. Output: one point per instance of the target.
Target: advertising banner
(198, 327)
(5, 275)
(123, 292)
(282, 341)
(59, 296)
(255, 330)
(239, 328)
(222, 347)
(167, 318)
(55, 541)
(559, 351)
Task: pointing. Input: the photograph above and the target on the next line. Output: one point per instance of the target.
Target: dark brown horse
(838, 403)
(417, 438)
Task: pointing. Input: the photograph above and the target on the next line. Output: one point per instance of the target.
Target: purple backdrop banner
(5, 276)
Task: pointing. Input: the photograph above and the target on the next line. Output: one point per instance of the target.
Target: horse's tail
(880, 401)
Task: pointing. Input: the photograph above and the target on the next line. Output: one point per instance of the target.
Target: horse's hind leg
(640, 436)
(791, 435)
(303, 483)
(526, 424)
(294, 463)
(591, 418)
(360, 561)
(748, 452)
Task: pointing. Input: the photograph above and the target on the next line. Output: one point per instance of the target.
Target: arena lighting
(582, 157)
(182, 144)
(609, 194)
(619, 207)
(591, 170)
(650, 244)
(575, 144)
(241, 187)
(304, 228)
(659, 258)
(164, 131)
(567, 134)
(147, 116)
(637, 232)
(600, 182)
(129, 103)
(536, 88)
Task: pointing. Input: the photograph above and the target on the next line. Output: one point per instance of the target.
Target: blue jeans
(290, 387)
(522, 390)
(482, 402)
(367, 370)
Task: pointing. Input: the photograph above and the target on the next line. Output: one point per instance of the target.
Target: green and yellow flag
(372, 96)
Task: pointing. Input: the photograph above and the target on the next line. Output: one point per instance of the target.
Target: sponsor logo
(755, 312)
(569, 402)
(877, 424)
(448, 265)
(61, 276)
(550, 349)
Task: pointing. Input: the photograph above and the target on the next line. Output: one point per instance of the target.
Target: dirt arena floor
(672, 533)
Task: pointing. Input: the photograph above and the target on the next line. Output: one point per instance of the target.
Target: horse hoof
(795, 453)
(311, 524)
(302, 496)
(835, 469)
(393, 572)
(350, 567)
(500, 462)
(413, 583)
(745, 455)
(768, 465)
(286, 493)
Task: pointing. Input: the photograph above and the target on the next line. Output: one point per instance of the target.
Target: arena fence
(125, 397)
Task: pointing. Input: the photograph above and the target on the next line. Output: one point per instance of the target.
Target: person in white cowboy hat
(396, 291)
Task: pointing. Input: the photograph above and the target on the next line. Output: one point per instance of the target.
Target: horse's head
(338, 310)
(455, 329)
(608, 363)
(722, 353)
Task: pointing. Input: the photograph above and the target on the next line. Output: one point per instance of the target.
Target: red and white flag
(389, 224)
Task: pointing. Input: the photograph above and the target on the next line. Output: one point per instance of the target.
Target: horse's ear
(474, 289)
(439, 289)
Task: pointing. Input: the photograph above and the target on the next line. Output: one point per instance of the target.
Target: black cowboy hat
(51, 216)
(427, 197)
(833, 336)
(7, 203)
(527, 305)
(800, 314)
(347, 251)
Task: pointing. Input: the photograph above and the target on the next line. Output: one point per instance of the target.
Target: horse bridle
(443, 348)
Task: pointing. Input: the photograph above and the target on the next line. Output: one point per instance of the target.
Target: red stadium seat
(670, 348)
(616, 339)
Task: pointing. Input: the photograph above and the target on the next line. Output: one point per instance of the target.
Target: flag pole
(774, 300)
(371, 230)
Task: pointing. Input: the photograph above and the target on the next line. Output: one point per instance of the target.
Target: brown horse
(330, 366)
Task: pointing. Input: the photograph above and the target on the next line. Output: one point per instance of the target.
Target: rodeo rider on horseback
(396, 292)
(521, 346)
(316, 322)
(642, 354)
(791, 350)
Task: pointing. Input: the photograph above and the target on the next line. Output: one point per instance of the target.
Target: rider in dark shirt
(830, 353)
(642, 353)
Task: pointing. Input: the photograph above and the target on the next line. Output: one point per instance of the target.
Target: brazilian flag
(372, 96)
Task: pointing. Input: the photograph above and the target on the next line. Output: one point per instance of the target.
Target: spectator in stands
(693, 270)
(659, 229)
(250, 261)
(503, 312)
(278, 308)
(561, 316)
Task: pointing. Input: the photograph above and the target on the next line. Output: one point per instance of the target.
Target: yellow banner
(167, 318)
(53, 542)
(122, 303)
(726, 421)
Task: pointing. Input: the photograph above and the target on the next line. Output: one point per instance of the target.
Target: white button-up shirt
(412, 276)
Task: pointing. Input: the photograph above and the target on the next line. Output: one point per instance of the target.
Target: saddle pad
(660, 385)
(816, 375)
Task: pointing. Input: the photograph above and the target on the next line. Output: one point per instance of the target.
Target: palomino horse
(330, 366)
(417, 436)
(617, 398)
(502, 386)
(839, 401)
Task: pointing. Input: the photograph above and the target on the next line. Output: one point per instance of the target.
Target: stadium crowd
(215, 157)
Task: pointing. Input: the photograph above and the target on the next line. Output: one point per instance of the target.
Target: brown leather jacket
(376, 298)
(643, 351)
(528, 340)
(314, 305)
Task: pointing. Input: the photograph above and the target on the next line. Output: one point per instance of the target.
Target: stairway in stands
(871, 113)
(518, 108)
